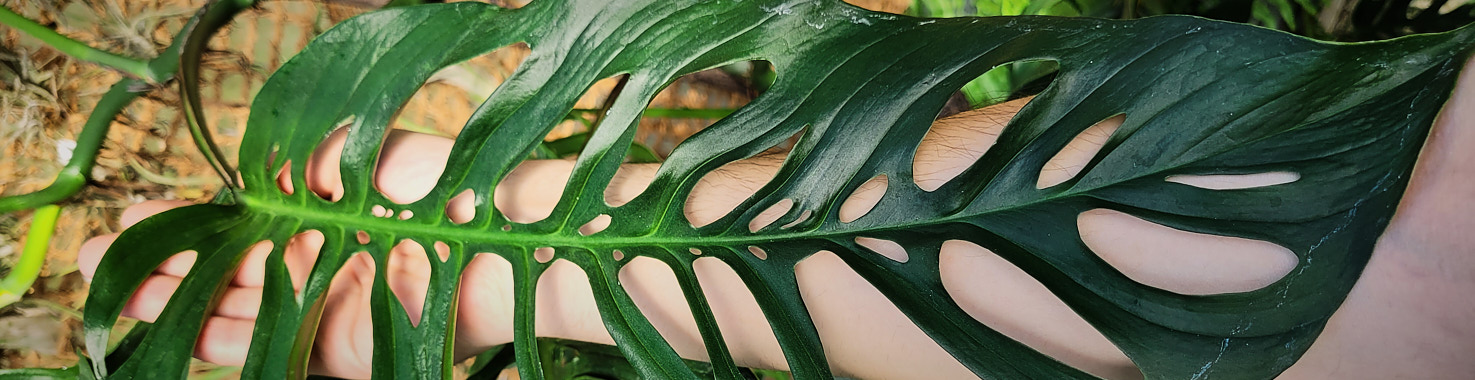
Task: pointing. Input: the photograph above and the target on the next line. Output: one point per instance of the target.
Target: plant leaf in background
(1200, 97)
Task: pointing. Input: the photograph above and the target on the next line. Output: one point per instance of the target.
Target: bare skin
(1407, 317)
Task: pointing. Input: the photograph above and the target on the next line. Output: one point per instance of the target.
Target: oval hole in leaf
(242, 299)
(442, 251)
(408, 173)
(618, 255)
(363, 237)
(1181, 261)
(564, 291)
(1068, 162)
(378, 211)
(462, 208)
(252, 270)
(629, 181)
(697, 100)
(487, 280)
(322, 176)
(887, 248)
(568, 138)
(695, 251)
(1235, 181)
(543, 254)
(408, 276)
(594, 226)
(359, 262)
(284, 178)
(647, 281)
(724, 188)
(770, 215)
(758, 252)
(863, 199)
(953, 144)
(406, 215)
(435, 114)
(998, 294)
(446, 101)
(803, 216)
(823, 276)
(737, 313)
(528, 198)
(301, 255)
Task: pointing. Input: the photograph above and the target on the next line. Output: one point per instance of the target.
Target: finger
(149, 301)
(322, 168)
(91, 254)
(139, 212)
(408, 167)
(150, 297)
(252, 272)
(224, 341)
(302, 254)
(177, 265)
(410, 164)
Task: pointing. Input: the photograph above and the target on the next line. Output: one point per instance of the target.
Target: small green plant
(861, 89)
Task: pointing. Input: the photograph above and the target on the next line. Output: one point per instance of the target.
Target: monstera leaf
(1202, 97)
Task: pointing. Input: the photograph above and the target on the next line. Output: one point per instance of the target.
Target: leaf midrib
(417, 229)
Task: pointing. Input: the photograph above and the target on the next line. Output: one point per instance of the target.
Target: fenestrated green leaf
(1201, 97)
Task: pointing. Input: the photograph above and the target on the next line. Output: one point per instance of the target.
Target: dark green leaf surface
(1201, 97)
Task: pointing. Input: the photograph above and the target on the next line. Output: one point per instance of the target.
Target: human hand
(344, 342)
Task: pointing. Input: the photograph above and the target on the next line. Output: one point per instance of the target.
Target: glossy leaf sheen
(1202, 97)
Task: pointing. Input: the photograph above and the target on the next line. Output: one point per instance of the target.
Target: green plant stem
(149, 175)
(672, 113)
(198, 33)
(33, 256)
(75, 49)
(39, 373)
(73, 176)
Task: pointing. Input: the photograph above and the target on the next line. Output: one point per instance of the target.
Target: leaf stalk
(134, 67)
(33, 256)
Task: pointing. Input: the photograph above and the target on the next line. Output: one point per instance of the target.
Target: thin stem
(75, 49)
(149, 175)
(33, 256)
(609, 101)
(73, 176)
(216, 16)
(55, 306)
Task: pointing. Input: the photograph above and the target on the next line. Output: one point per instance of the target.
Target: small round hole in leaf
(543, 254)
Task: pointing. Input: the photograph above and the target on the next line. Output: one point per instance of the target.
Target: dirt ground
(149, 154)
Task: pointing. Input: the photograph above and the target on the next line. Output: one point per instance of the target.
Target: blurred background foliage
(45, 97)
(1330, 20)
